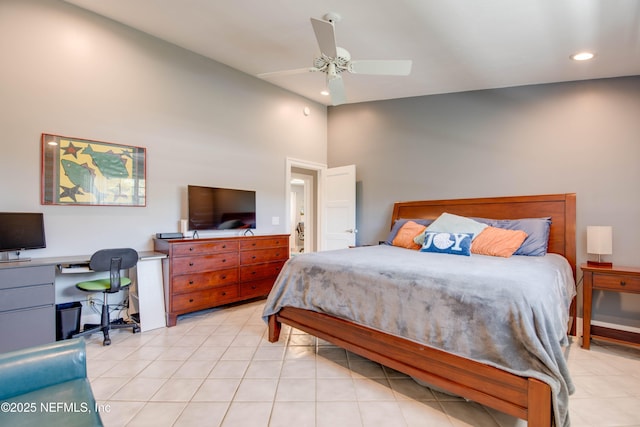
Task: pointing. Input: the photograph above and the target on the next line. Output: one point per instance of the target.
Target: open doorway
(302, 186)
(301, 212)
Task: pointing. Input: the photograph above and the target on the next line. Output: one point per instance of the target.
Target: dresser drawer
(197, 264)
(202, 248)
(259, 243)
(263, 255)
(261, 271)
(193, 301)
(618, 282)
(199, 281)
(256, 288)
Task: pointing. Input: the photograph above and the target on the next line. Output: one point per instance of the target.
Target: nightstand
(614, 279)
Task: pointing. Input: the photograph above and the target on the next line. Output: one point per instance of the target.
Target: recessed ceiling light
(582, 56)
(324, 92)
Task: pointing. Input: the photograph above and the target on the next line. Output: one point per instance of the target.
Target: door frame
(308, 205)
(320, 170)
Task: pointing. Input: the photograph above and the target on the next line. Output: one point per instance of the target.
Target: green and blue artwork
(83, 172)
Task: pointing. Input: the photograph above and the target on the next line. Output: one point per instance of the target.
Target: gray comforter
(510, 313)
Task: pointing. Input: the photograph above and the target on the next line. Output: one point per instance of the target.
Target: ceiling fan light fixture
(582, 56)
(335, 60)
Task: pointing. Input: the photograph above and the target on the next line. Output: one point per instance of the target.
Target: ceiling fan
(334, 60)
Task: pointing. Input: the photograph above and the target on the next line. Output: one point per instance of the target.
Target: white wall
(581, 137)
(69, 72)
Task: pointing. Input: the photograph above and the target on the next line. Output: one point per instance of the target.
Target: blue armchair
(47, 385)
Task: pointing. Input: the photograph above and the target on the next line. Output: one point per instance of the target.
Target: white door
(339, 229)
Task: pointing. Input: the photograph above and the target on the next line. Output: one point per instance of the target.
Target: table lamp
(599, 242)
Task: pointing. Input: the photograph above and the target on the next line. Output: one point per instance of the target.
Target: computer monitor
(20, 231)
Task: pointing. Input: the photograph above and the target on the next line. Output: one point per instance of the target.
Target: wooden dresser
(208, 272)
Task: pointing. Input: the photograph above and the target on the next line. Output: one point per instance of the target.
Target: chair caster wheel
(107, 341)
(136, 329)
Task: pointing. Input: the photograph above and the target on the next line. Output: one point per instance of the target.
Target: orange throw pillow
(407, 233)
(497, 242)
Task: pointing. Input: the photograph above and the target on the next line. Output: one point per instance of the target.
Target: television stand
(210, 272)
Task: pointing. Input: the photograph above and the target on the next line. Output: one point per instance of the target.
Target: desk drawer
(14, 277)
(199, 281)
(199, 248)
(619, 283)
(26, 328)
(196, 264)
(27, 296)
(193, 301)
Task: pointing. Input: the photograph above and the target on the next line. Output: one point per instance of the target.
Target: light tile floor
(216, 368)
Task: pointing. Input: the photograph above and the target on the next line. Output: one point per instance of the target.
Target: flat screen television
(212, 208)
(20, 231)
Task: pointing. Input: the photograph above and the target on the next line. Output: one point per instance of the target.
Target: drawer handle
(224, 293)
(253, 272)
(253, 244)
(191, 264)
(191, 282)
(277, 253)
(254, 287)
(623, 283)
(190, 299)
(223, 277)
(253, 257)
(224, 246)
(191, 249)
(224, 260)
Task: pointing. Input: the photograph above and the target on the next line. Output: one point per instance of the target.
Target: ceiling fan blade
(326, 37)
(336, 90)
(287, 72)
(384, 67)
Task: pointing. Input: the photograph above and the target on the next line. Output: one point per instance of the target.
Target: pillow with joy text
(447, 243)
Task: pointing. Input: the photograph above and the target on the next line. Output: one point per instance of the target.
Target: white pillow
(450, 223)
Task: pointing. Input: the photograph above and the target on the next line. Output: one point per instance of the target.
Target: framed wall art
(84, 172)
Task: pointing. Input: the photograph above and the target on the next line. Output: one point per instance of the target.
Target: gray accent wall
(581, 137)
(69, 72)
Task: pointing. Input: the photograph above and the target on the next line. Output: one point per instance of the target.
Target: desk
(144, 299)
(28, 296)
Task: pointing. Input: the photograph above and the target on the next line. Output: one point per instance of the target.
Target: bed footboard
(525, 398)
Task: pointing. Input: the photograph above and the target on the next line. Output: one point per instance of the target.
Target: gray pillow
(537, 230)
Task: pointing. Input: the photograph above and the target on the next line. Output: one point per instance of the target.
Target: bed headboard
(560, 207)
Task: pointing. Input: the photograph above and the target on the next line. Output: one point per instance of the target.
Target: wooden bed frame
(522, 397)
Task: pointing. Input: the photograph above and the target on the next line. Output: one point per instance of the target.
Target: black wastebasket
(67, 320)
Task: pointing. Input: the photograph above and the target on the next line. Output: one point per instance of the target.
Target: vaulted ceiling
(455, 45)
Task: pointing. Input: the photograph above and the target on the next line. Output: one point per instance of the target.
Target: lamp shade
(600, 239)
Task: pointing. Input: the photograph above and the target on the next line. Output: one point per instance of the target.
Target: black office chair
(112, 260)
